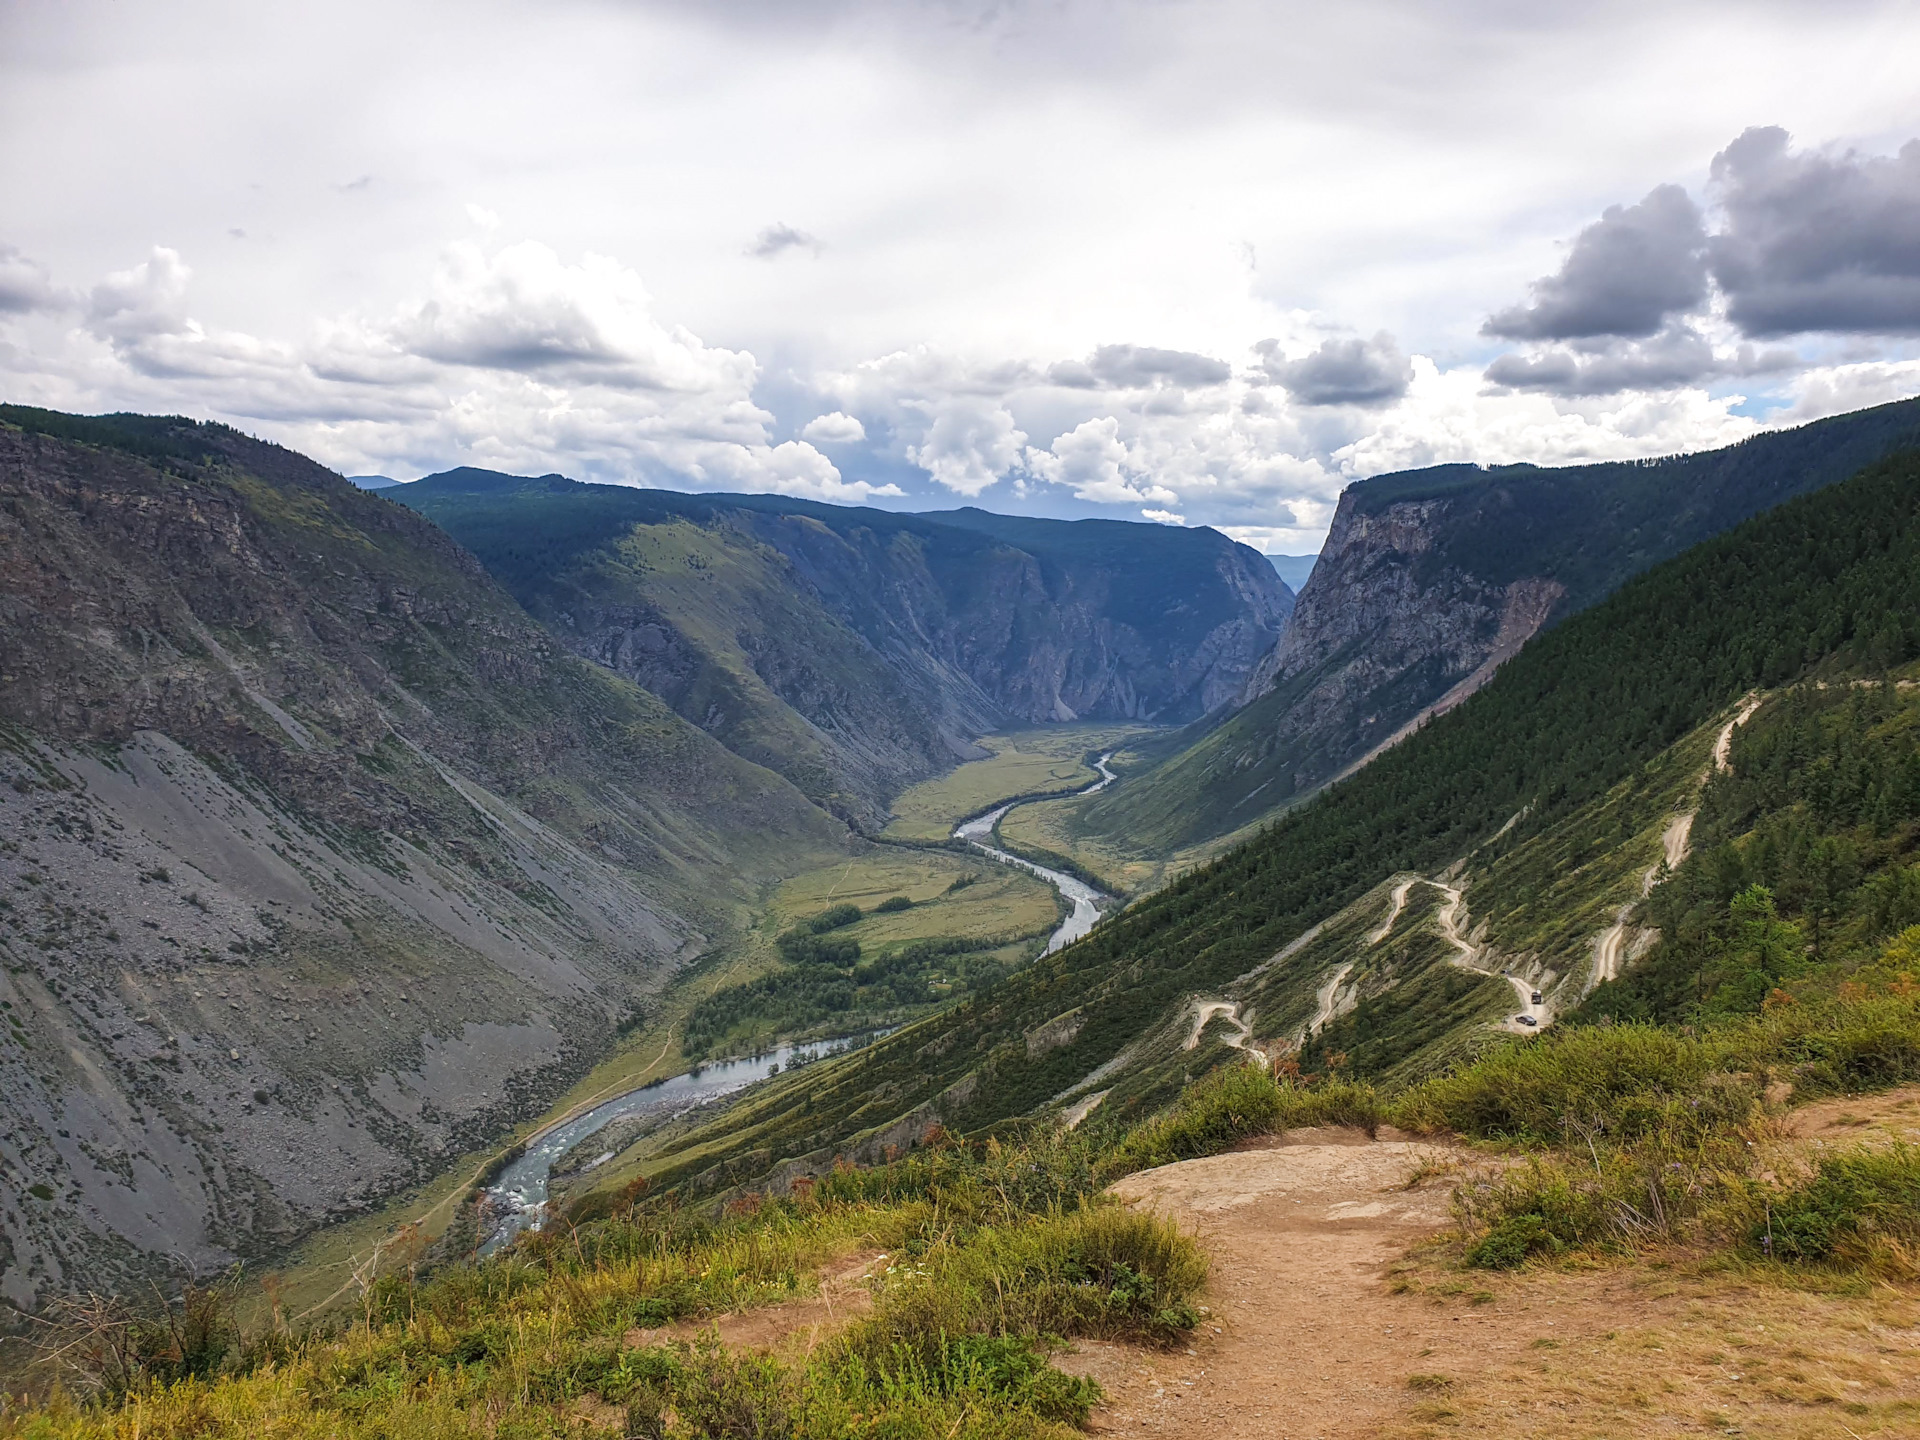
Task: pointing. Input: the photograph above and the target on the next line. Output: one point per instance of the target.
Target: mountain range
(344, 827)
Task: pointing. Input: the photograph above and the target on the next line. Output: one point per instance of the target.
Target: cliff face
(319, 862)
(1429, 580)
(1376, 632)
(857, 651)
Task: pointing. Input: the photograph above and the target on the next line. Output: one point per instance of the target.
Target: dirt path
(1723, 743)
(1399, 894)
(1610, 945)
(1609, 949)
(1307, 1338)
(1323, 1329)
(1204, 1012)
(1448, 919)
(1328, 1000)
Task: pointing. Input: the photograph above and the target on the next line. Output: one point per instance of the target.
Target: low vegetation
(990, 1256)
(992, 1253)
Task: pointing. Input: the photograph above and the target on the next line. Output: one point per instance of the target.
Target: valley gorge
(342, 832)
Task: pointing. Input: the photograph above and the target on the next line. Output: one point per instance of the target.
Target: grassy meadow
(1022, 762)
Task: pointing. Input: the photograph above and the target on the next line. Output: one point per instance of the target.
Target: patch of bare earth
(1322, 1327)
(844, 1295)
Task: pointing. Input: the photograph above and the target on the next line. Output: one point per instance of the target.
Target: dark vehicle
(1536, 997)
(1526, 1020)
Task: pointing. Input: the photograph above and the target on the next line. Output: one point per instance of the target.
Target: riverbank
(1088, 903)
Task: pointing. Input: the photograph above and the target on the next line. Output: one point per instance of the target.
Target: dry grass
(1661, 1348)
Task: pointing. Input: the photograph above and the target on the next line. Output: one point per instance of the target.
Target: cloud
(1817, 242)
(148, 300)
(522, 309)
(837, 428)
(1836, 389)
(1096, 464)
(25, 285)
(1627, 273)
(1164, 517)
(969, 443)
(1806, 243)
(512, 359)
(778, 238)
(1677, 356)
(1135, 366)
(1342, 371)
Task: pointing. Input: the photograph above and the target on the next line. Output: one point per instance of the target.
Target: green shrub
(1861, 1207)
(1233, 1103)
(893, 904)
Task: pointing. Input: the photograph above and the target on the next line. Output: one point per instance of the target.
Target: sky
(1195, 262)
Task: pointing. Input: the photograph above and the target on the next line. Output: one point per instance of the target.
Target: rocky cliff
(1429, 580)
(857, 651)
(319, 861)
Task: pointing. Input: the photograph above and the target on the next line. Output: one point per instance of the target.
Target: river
(1085, 899)
(519, 1194)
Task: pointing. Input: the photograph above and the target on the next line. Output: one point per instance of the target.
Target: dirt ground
(1322, 1327)
(791, 1325)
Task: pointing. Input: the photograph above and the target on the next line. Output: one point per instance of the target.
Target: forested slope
(1828, 584)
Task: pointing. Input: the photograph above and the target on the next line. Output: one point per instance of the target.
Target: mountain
(374, 482)
(1293, 570)
(320, 862)
(1431, 579)
(1386, 926)
(856, 651)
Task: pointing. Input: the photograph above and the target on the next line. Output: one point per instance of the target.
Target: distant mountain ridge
(858, 650)
(1430, 579)
(1293, 570)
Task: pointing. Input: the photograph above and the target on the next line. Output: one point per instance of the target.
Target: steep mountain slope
(1429, 580)
(1505, 835)
(318, 864)
(857, 651)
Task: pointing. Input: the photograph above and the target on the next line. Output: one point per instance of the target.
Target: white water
(1085, 899)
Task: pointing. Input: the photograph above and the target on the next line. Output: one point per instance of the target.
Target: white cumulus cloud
(834, 428)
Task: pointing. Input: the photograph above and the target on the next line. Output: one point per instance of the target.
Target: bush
(1233, 1103)
(1508, 1244)
(893, 904)
(1861, 1208)
(797, 947)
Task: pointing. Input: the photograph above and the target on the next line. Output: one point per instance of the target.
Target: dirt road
(1448, 919)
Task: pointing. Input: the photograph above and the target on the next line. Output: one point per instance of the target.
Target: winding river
(1086, 900)
(518, 1196)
